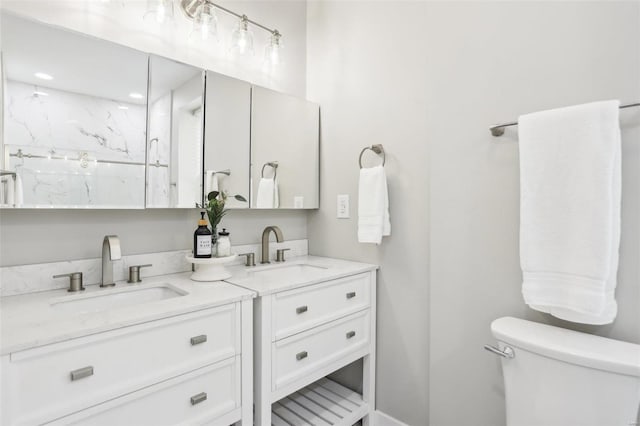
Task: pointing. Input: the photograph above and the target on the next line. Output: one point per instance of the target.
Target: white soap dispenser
(224, 244)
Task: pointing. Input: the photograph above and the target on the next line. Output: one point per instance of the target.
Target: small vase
(214, 240)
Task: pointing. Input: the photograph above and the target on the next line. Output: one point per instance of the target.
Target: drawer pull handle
(81, 373)
(301, 310)
(351, 334)
(351, 295)
(197, 399)
(302, 355)
(196, 340)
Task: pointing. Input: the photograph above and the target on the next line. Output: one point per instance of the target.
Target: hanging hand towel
(268, 197)
(210, 181)
(19, 192)
(570, 211)
(11, 191)
(373, 206)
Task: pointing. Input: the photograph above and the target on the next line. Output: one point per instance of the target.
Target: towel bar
(498, 129)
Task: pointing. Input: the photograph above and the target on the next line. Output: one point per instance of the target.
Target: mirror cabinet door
(227, 138)
(74, 110)
(284, 151)
(174, 147)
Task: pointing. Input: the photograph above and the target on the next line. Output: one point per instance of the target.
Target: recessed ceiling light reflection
(39, 93)
(122, 107)
(43, 76)
(135, 95)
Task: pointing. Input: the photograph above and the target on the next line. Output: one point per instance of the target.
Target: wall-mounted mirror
(284, 151)
(227, 138)
(174, 147)
(74, 119)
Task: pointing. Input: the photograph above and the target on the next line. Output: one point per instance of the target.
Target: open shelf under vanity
(322, 403)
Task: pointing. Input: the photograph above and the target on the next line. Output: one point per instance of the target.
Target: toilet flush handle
(507, 352)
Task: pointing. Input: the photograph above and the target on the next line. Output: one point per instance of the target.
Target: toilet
(559, 377)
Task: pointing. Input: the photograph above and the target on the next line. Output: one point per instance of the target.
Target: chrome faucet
(265, 241)
(110, 252)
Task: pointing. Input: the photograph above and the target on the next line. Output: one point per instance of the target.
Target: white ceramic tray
(210, 268)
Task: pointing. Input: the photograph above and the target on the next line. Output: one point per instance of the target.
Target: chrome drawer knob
(301, 310)
(351, 295)
(351, 334)
(302, 355)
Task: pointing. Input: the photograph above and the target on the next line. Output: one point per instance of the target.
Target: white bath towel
(210, 181)
(19, 191)
(268, 197)
(11, 191)
(373, 205)
(570, 211)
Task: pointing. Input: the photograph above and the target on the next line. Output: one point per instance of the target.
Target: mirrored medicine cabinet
(91, 124)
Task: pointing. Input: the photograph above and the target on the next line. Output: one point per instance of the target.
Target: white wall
(488, 63)
(426, 79)
(371, 88)
(65, 234)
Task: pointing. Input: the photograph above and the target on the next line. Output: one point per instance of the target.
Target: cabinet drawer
(304, 353)
(300, 309)
(55, 380)
(193, 398)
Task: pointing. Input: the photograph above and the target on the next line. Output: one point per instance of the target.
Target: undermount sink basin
(288, 271)
(101, 300)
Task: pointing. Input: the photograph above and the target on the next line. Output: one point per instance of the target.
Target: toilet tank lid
(570, 346)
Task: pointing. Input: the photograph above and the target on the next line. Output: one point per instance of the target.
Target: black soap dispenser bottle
(202, 239)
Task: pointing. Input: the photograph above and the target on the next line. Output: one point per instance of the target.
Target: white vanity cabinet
(187, 368)
(307, 330)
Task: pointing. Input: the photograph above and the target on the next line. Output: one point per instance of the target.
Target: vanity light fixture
(273, 52)
(242, 36)
(205, 22)
(135, 95)
(43, 76)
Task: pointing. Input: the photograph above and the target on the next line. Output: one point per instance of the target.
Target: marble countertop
(35, 319)
(293, 273)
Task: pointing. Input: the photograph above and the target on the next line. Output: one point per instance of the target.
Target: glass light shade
(273, 52)
(161, 10)
(205, 22)
(242, 38)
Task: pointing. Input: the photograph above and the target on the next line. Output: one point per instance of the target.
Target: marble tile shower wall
(44, 121)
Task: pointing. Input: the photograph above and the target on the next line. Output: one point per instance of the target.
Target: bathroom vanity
(167, 351)
(312, 316)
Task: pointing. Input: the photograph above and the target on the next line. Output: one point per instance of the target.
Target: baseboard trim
(382, 419)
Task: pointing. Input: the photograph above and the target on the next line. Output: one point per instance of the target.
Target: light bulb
(205, 22)
(242, 38)
(273, 52)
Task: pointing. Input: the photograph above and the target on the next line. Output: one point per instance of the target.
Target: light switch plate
(343, 206)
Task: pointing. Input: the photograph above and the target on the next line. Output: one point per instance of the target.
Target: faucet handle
(75, 280)
(134, 273)
(280, 254)
(251, 258)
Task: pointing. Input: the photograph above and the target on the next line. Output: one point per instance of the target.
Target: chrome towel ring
(274, 165)
(377, 148)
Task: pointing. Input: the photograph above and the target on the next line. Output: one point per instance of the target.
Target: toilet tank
(560, 377)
